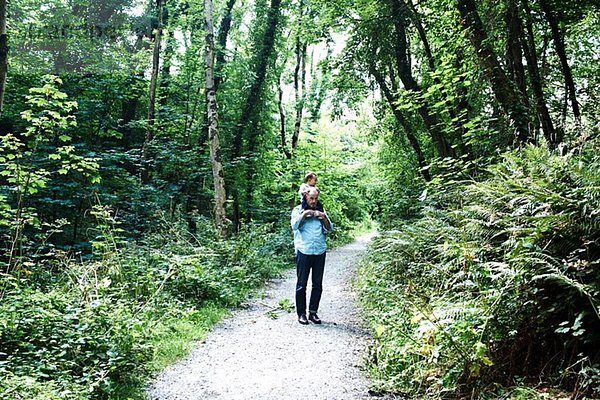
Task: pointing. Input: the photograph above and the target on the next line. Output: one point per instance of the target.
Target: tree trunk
(213, 133)
(414, 142)
(282, 131)
(3, 52)
(459, 127)
(299, 87)
(504, 92)
(128, 112)
(552, 136)
(245, 123)
(559, 45)
(514, 46)
(262, 60)
(224, 28)
(316, 100)
(404, 71)
(152, 94)
(165, 75)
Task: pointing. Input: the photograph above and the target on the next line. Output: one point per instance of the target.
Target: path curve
(252, 356)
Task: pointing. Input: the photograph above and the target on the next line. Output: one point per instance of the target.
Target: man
(310, 227)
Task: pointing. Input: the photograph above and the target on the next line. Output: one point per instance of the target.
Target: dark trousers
(304, 265)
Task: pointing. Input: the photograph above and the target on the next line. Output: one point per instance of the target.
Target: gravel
(251, 355)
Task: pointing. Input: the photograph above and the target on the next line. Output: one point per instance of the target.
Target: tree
(506, 95)
(553, 137)
(3, 51)
(559, 45)
(299, 74)
(160, 5)
(247, 122)
(400, 44)
(213, 133)
(223, 33)
(403, 122)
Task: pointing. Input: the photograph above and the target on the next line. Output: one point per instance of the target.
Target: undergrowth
(98, 329)
(493, 291)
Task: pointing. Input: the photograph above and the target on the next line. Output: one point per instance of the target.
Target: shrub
(498, 279)
(52, 336)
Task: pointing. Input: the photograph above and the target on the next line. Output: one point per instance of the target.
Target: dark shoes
(314, 318)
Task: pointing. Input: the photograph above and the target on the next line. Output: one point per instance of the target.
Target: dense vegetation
(494, 283)
(152, 149)
(484, 283)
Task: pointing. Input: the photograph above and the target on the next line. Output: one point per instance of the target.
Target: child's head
(310, 178)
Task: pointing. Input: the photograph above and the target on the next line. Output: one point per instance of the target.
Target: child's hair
(309, 175)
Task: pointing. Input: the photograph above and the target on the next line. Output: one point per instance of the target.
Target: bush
(88, 330)
(498, 279)
(52, 336)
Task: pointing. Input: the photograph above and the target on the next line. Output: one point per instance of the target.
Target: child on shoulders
(310, 180)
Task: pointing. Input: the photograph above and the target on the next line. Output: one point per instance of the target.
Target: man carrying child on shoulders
(310, 225)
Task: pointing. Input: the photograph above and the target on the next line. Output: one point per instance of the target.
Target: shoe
(314, 318)
(302, 319)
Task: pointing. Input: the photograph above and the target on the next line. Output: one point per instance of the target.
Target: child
(310, 180)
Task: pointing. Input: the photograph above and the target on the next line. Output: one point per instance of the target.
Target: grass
(527, 393)
(175, 337)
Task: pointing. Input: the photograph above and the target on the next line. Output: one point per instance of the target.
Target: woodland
(151, 152)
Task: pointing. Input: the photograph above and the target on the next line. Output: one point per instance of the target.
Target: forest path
(252, 356)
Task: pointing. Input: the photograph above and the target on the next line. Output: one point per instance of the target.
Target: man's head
(312, 197)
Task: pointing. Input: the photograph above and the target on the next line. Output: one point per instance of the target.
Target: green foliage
(98, 328)
(27, 164)
(29, 388)
(497, 279)
(50, 336)
(174, 335)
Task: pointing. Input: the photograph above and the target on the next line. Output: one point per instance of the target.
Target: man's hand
(308, 213)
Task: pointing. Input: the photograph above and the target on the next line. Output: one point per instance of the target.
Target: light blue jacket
(309, 233)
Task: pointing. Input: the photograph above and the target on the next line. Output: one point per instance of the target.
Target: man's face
(311, 198)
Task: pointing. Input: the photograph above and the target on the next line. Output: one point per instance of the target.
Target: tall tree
(553, 137)
(509, 99)
(160, 5)
(213, 118)
(282, 117)
(319, 84)
(399, 17)
(299, 75)
(458, 125)
(403, 122)
(514, 48)
(223, 33)
(3, 51)
(246, 123)
(559, 46)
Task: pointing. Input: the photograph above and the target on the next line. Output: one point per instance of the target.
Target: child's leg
(319, 206)
(304, 203)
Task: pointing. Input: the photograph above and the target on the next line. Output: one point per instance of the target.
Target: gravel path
(252, 356)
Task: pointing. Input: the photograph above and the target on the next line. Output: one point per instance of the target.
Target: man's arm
(327, 224)
(298, 216)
